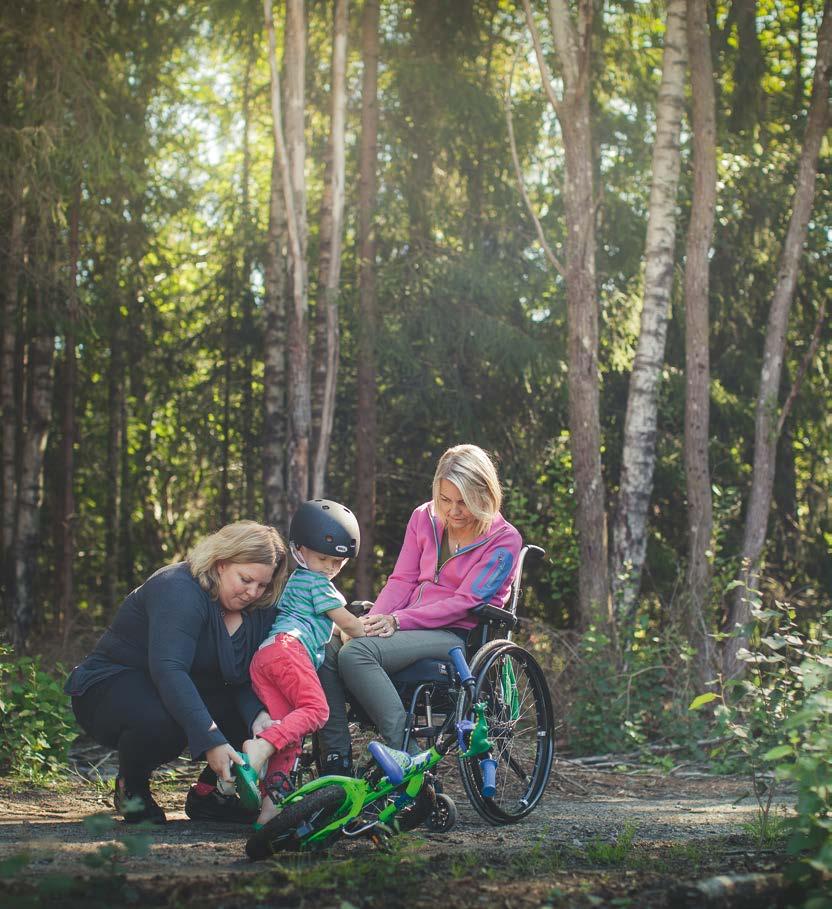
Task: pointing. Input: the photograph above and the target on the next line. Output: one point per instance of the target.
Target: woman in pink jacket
(458, 551)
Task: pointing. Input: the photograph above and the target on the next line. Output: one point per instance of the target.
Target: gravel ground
(563, 854)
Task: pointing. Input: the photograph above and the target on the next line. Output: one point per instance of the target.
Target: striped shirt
(302, 612)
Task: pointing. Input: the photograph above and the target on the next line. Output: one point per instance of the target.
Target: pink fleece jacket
(425, 594)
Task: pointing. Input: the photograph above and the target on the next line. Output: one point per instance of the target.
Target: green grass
(601, 852)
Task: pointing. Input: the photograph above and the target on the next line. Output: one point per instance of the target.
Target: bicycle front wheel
(518, 708)
(311, 813)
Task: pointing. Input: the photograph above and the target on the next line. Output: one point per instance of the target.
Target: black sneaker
(136, 804)
(214, 806)
(337, 765)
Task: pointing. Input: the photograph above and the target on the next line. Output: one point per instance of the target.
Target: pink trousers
(283, 677)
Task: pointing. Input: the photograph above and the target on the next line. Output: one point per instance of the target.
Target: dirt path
(596, 840)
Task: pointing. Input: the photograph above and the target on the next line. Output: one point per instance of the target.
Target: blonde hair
(243, 542)
(473, 473)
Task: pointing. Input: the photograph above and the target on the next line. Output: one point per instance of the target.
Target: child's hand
(346, 623)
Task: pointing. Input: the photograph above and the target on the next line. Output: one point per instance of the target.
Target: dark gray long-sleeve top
(173, 630)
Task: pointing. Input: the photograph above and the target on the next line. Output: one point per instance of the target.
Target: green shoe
(248, 785)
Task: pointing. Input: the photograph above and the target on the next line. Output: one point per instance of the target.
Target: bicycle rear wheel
(518, 708)
(313, 811)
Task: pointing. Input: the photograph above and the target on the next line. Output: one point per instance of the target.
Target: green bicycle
(397, 792)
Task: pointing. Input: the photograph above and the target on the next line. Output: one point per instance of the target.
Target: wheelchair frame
(427, 689)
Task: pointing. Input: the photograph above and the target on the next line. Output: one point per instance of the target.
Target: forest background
(244, 265)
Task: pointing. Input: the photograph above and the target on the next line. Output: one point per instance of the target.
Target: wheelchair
(519, 711)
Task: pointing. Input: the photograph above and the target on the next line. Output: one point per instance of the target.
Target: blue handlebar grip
(458, 659)
(488, 767)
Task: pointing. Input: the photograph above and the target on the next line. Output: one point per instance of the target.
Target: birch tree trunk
(639, 450)
(329, 256)
(573, 49)
(766, 429)
(696, 619)
(365, 442)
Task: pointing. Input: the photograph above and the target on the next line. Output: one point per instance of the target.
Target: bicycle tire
(280, 834)
(513, 687)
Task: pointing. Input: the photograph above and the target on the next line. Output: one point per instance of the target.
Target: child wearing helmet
(322, 536)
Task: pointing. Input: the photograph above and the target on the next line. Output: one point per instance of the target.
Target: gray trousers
(363, 667)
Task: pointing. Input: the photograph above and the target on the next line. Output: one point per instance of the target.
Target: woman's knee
(356, 653)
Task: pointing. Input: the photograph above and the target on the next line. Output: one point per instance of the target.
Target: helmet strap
(297, 556)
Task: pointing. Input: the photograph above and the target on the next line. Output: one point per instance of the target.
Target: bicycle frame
(471, 738)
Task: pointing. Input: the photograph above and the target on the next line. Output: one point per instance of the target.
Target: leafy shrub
(623, 707)
(778, 720)
(36, 722)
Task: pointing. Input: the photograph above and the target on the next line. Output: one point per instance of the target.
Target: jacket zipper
(453, 555)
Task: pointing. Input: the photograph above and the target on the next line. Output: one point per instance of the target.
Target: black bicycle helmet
(327, 527)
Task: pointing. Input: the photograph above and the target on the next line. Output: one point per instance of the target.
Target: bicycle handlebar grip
(460, 664)
(488, 767)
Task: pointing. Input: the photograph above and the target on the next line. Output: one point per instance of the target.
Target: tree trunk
(573, 48)
(274, 359)
(639, 451)
(9, 345)
(227, 378)
(696, 619)
(365, 443)
(247, 439)
(115, 392)
(66, 516)
(35, 435)
(8, 399)
(747, 97)
(329, 256)
(766, 421)
(291, 157)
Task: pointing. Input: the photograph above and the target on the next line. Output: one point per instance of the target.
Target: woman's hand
(379, 625)
(261, 721)
(220, 758)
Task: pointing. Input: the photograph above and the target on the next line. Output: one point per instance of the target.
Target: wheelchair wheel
(281, 833)
(521, 725)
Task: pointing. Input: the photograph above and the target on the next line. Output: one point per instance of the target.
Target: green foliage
(622, 708)
(127, 842)
(36, 723)
(618, 852)
(779, 722)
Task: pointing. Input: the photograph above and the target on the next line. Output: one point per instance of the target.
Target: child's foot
(258, 752)
(267, 812)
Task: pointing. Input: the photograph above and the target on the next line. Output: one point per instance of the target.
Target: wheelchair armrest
(359, 607)
(490, 614)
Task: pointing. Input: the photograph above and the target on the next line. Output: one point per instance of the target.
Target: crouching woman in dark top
(172, 670)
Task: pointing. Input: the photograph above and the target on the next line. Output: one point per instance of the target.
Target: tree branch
(804, 366)
(541, 62)
(522, 187)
